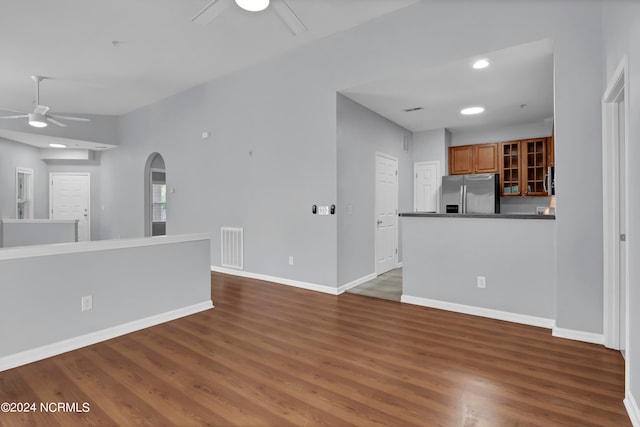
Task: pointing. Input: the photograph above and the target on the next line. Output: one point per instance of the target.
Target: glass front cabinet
(523, 167)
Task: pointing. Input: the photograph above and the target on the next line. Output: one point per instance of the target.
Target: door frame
(375, 210)
(88, 175)
(617, 87)
(438, 182)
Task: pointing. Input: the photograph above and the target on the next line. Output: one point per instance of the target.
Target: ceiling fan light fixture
(37, 120)
(253, 5)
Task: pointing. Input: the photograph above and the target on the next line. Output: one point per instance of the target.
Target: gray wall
(501, 133)
(27, 233)
(361, 134)
(517, 256)
(149, 280)
(431, 145)
(622, 37)
(273, 153)
(13, 155)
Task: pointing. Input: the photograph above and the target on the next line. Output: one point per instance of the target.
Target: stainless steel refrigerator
(479, 193)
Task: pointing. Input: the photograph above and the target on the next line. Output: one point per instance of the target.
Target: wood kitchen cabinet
(479, 158)
(534, 166)
(461, 160)
(523, 167)
(510, 168)
(486, 158)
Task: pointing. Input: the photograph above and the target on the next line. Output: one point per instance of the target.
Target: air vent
(408, 110)
(232, 247)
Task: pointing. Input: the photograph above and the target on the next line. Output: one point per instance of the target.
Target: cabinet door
(534, 166)
(510, 168)
(486, 158)
(461, 160)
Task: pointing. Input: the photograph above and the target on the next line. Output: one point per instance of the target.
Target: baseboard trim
(279, 280)
(541, 322)
(49, 350)
(632, 409)
(571, 334)
(356, 282)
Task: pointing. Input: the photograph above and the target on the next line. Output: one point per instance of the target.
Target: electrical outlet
(482, 282)
(87, 303)
(291, 260)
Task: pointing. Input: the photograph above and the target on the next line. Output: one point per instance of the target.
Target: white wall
(273, 148)
(622, 37)
(361, 134)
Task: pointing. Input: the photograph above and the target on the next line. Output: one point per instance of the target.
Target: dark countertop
(471, 215)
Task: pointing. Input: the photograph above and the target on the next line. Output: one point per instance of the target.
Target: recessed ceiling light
(480, 64)
(53, 145)
(471, 110)
(253, 5)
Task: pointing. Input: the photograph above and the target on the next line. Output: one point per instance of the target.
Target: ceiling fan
(215, 7)
(40, 115)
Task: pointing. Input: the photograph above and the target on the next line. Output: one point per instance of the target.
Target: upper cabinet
(522, 164)
(486, 158)
(466, 159)
(523, 167)
(461, 160)
(510, 168)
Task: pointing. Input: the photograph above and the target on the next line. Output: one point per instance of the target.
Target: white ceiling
(520, 75)
(159, 51)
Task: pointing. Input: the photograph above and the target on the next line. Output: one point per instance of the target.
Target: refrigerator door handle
(461, 210)
(464, 199)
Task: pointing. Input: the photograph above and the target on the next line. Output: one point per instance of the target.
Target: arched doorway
(155, 200)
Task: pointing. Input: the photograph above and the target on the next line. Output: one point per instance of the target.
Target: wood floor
(272, 355)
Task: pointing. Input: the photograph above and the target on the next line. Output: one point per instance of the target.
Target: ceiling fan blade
(210, 12)
(289, 17)
(55, 122)
(12, 111)
(41, 109)
(77, 119)
(14, 117)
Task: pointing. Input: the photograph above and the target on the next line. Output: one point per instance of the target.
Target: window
(24, 193)
(159, 201)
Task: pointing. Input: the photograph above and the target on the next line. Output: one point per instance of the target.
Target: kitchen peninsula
(447, 258)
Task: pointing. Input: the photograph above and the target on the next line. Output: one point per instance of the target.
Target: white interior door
(426, 187)
(69, 198)
(386, 231)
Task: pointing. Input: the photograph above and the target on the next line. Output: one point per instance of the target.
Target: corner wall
(622, 37)
(361, 134)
